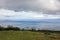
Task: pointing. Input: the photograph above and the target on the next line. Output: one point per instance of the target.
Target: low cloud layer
(12, 15)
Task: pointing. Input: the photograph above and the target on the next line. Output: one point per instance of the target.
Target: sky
(29, 9)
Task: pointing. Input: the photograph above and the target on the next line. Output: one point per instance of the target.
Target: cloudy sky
(29, 9)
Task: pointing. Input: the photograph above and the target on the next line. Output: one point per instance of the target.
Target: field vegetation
(15, 33)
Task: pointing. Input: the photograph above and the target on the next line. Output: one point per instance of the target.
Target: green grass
(28, 35)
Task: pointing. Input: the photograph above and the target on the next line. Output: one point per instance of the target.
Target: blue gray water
(33, 24)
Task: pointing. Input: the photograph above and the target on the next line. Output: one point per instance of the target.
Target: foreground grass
(28, 35)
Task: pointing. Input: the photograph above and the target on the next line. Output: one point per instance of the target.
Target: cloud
(12, 15)
(29, 9)
(31, 5)
(50, 4)
(27, 4)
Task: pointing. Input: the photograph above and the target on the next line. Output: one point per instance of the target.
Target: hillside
(28, 35)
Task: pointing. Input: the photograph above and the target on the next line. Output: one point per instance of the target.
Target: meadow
(28, 35)
(15, 33)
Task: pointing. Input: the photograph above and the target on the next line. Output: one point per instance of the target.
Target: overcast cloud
(29, 9)
(30, 5)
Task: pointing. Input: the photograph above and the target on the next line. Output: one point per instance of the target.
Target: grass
(28, 35)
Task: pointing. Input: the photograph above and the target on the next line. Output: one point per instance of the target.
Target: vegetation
(15, 33)
(28, 35)
(9, 27)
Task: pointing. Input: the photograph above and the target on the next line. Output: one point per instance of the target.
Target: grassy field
(28, 35)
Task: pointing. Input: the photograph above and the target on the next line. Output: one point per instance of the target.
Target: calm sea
(33, 24)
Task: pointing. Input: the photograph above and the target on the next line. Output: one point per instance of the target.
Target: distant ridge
(42, 20)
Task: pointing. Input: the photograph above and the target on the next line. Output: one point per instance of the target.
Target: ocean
(33, 24)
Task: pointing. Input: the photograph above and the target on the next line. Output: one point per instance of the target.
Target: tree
(16, 28)
(33, 29)
(1, 28)
(9, 27)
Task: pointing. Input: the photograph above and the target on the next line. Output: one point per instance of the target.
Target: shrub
(1, 28)
(12, 28)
